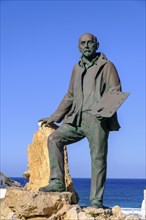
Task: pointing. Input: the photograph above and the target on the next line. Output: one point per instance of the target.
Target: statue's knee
(50, 138)
(54, 141)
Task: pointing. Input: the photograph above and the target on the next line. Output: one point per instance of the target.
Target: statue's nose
(86, 44)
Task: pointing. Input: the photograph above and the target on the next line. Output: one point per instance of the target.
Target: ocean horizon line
(109, 178)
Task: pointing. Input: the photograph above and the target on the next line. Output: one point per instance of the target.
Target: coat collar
(83, 62)
(99, 61)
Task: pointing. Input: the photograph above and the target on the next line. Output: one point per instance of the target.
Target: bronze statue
(91, 78)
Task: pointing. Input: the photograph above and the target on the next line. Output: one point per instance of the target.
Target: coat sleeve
(111, 78)
(66, 103)
(111, 83)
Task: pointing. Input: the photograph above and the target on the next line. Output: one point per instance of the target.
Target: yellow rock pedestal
(38, 162)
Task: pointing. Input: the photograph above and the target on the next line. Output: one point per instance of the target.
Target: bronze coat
(106, 79)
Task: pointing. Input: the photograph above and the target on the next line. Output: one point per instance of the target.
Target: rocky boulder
(25, 204)
(34, 205)
(38, 163)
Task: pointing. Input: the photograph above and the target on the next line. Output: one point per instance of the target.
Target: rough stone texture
(20, 204)
(32, 204)
(100, 213)
(116, 210)
(72, 213)
(26, 174)
(38, 163)
(6, 213)
(133, 217)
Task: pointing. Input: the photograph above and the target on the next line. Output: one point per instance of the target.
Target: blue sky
(38, 51)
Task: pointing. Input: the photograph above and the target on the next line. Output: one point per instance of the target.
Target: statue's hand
(98, 115)
(46, 121)
(49, 122)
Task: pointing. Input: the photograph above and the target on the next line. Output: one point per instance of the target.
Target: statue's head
(88, 45)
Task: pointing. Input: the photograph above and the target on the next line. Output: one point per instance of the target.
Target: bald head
(94, 38)
(88, 45)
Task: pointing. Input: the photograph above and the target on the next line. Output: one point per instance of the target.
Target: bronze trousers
(97, 134)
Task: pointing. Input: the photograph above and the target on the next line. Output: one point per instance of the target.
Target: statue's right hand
(45, 121)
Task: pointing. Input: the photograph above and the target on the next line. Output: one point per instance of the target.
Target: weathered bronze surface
(94, 85)
(109, 103)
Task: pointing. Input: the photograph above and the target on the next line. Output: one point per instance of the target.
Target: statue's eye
(90, 42)
(83, 42)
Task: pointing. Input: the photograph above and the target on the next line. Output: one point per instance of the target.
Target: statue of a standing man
(91, 78)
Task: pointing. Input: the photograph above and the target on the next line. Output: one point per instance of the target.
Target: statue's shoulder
(109, 64)
(76, 67)
(106, 62)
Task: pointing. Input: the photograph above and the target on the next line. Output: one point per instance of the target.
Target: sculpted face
(88, 45)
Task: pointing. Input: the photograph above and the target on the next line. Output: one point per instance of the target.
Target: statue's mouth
(87, 50)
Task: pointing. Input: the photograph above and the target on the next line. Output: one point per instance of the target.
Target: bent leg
(64, 135)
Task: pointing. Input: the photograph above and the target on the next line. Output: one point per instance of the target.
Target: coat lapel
(97, 67)
(81, 70)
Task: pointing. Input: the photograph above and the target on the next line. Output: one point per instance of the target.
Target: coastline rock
(32, 204)
(26, 174)
(133, 217)
(39, 166)
(116, 210)
(94, 212)
(11, 183)
(20, 204)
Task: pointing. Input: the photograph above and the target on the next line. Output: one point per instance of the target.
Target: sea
(126, 193)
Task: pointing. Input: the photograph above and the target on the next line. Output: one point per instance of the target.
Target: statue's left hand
(46, 121)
